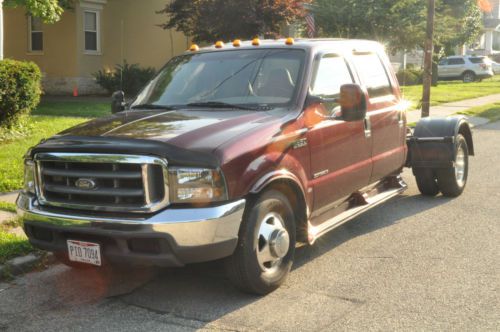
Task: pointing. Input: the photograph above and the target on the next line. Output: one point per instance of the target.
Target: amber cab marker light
(289, 41)
(237, 43)
(194, 48)
(256, 42)
(219, 44)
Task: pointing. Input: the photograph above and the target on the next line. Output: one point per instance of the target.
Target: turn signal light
(289, 41)
(219, 44)
(237, 43)
(194, 48)
(256, 42)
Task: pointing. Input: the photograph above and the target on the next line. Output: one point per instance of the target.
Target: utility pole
(429, 50)
(1, 29)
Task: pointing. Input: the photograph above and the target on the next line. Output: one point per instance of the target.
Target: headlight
(196, 185)
(29, 176)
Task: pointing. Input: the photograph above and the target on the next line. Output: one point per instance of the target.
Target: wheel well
(294, 194)
(468, 71)
(465, 131)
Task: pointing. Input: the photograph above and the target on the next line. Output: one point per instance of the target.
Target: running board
(314, 232)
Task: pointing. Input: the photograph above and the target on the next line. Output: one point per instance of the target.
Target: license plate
(84, 252)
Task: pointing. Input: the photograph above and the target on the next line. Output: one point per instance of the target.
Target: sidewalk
(448, 109)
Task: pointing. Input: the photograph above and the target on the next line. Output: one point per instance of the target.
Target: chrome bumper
(190, 232)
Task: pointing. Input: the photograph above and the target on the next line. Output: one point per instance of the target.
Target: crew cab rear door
(385, 121)
(340, 150)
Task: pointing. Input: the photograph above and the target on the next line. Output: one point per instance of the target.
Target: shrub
(20, 90)
(410, 76)
(129, 78)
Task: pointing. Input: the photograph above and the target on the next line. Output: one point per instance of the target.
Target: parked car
(238, 152)
(466, 68)
(495, 66)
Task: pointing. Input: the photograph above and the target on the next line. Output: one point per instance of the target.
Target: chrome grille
(102, 182)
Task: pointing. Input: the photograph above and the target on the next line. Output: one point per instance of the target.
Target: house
(489, 42)
(93, 35)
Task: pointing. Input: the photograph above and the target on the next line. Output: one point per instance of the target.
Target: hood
(189, 129)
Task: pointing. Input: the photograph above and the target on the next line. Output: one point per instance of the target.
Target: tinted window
(477, 60)
(246, 77)
(331, 74)
(443, 62)
(456, 61)
(373, 74)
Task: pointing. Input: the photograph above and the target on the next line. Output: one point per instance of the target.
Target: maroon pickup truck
(237, 151)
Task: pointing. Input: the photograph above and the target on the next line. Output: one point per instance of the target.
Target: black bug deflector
(82, 144)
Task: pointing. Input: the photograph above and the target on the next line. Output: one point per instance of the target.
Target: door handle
(368, 126)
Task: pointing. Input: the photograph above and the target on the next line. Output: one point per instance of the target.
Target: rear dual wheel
(266, 246)
(449, 181)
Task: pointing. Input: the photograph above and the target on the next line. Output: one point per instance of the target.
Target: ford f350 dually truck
(239, 152)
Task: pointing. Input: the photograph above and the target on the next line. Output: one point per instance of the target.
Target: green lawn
(49, 119)
(12, 246)
(451, 91)
(86, 109)
(491, 111)
(8, 207)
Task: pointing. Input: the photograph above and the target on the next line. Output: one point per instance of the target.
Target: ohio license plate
(84, 252)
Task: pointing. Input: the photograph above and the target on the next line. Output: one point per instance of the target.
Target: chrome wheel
(273, 242)
(460, 166)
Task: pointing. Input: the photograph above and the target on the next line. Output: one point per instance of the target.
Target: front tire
(266, 246)
(452, 180)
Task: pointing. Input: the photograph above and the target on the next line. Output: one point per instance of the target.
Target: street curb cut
(24, 264)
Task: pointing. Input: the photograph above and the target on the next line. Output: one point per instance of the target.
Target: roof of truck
(357, 45)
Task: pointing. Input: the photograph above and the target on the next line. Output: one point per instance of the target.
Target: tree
(209, 20)
(400, 23)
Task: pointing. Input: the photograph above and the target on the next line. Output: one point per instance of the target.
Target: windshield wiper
(154, 107)
(220, 104)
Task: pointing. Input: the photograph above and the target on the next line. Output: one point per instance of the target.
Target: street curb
(25, 264)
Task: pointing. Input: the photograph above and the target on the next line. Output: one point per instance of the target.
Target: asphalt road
(414, 263)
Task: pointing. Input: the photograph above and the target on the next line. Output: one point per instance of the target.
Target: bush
(129, 78)
(20, 90)
(410, 76)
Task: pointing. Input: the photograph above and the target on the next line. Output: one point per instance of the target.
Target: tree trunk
(1, 29)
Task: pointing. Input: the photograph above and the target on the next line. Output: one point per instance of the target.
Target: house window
(35, 34)
(91, 30)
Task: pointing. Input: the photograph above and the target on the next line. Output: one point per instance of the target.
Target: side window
(35, 34)
(456, 61)
(443, 62)
(332, 73)
(372, 71)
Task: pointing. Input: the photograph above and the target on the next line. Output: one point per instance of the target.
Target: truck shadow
(200, 294)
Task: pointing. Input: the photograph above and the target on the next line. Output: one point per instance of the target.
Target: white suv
(467, 68)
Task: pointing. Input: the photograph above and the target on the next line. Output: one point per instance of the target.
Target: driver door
(340, 151)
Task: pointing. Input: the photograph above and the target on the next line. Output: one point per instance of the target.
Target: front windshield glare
(250, 77)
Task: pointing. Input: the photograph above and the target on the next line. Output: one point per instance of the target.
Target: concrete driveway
(414, 263)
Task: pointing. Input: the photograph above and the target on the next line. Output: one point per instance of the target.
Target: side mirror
(117, 102)
(352, 102)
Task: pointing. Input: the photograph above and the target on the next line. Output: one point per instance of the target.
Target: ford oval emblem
(87, 184)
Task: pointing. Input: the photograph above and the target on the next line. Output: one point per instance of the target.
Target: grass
(8, 207)
(13, 246)
(450, 91)
(49, 119)
(490, 111)
(86, 109)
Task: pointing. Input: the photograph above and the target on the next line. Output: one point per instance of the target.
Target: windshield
(265, 78)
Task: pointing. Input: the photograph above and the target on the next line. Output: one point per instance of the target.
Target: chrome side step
(315, 232)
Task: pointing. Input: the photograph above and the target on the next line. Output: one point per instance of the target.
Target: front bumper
(172, 237)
